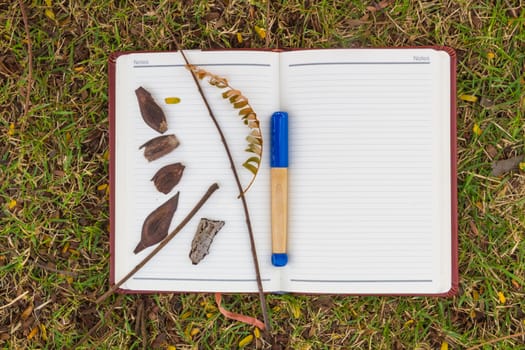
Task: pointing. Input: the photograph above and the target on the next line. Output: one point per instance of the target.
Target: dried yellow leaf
(468, 98)
(194, 332)
(502, 298)
(475, 295)
(11, 130)
(79, 69)
(245, 341)
(261, 32)
(43, 332)
(408, 323)
(171, 347)
(65, 248)
(48, 3)
(50, 14)
(172, 100)
(476, 129)
(490, 55)
(444, 345)
(257, 333)
(239, 38)
(185, 315)
(27, 312)
(32, 334)
(11, 204)
(522, 166)
(102, 187)
(209, 315)
(296, 310)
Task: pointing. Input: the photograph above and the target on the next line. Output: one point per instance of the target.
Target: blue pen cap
(279, 140)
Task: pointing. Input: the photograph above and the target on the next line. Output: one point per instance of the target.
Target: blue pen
(279, 187)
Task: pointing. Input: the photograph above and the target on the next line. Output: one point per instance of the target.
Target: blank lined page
(369, 179)
(229, 265)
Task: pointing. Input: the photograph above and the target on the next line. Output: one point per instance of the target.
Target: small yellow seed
(172, 100)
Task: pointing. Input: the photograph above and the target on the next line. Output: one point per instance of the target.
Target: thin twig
(157, 249)
(497, 340)
(14, 300)
(243, 199)
(29, 82)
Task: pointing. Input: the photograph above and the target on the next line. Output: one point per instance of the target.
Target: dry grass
(53, 168)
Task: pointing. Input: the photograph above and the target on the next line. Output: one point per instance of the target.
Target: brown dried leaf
(168, 177)
(157, 224)
(203, 238)
(503, 166)
(159, 146)
(150, 111)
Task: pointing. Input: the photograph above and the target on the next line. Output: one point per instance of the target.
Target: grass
(54, 164)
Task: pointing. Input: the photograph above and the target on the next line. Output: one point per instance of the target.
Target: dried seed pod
(159, 146)
(168, 177)
(150, 110)
(157, 224)
(200, 245)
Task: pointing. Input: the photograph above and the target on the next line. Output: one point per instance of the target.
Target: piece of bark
(168, 177)
(159, 146)
(503, 166)
(151, 111)
(203, 238)
(157, 224)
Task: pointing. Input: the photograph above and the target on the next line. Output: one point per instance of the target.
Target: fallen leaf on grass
(502, 298)
(261, 32)
(468, 98)
(444, 345)
(379, 6)
(477, 130)
(245, 341)
(503, 166)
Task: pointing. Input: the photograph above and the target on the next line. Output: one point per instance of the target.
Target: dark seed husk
(168, 177)
(150, 111)
(203, 238)
(159, 146)
(157, 224)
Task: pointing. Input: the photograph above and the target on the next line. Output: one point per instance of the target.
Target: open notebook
(372, 193)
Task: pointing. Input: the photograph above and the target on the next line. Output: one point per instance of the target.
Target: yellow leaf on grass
(522, 166)
(171, 347)
(408, 323)
(32, 334)
(257, 333)
(11, 130)
(502, 298)
(245, 341)
(43, 332)
(185, 315)
(261, 32)
(475, 295)
(194, 332)
(476, 129)
(11, 204)
(490, 55)
(48, 3)
(172, 100)
(468, 98)
(296, 310)
(444, 345)
(50, 14)
(79, 69)
(239, 38)
(102, 187)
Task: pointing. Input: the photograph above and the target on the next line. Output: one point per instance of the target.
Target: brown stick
(497, 340)
(262, 297)
(162, 244)
(29, 63)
